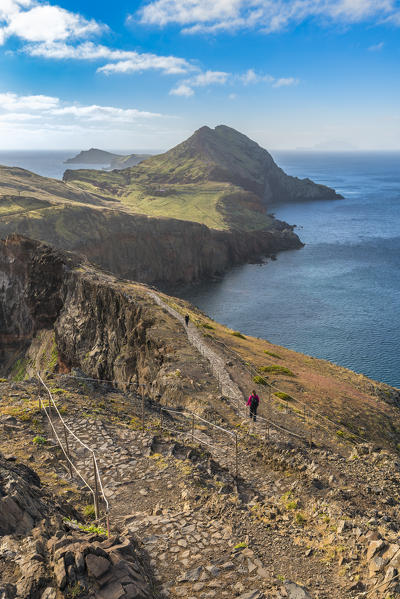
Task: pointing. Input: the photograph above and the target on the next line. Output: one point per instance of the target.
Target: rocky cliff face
(160, 251)
(42, 559)
(108, 329)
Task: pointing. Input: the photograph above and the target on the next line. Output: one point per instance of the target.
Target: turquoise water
(338, 298)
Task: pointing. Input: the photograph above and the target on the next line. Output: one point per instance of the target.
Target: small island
(114, 161)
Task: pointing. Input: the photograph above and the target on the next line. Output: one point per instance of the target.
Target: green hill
(218, 177)
(93, 156)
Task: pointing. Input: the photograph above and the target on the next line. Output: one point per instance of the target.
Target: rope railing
(66, 452)
(193, 416)
(63, 450)
(271, 423)
(253, 371)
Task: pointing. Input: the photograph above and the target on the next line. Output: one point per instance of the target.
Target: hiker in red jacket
(253, 402)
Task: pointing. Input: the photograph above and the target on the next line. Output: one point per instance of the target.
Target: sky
(127, 75)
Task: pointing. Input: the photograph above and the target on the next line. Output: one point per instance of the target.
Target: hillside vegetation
(218, 177)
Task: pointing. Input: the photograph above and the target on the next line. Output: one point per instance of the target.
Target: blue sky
(144, 75)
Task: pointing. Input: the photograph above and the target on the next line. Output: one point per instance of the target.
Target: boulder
(295, 591)
(96, 565)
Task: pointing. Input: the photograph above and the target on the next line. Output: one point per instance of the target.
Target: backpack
(254, 402)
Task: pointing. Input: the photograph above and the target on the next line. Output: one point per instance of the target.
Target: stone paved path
(193, 555)
(229, 388)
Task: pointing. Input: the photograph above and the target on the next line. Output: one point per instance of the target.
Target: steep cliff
(152, 250)
(109, 329)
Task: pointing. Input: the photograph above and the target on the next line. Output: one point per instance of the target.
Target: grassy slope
(17, 181)
(355, 403)
(193, 181)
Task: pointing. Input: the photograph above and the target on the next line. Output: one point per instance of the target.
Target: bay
(338, 298)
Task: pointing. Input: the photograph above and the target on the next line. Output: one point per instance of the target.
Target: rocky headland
(97, 157)
(93, 156)
(178, 217)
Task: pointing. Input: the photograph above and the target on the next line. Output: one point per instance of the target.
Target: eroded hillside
(303, 512)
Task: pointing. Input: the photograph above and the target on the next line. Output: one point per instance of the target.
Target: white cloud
(376, 47)
(14, 117)
(182, 90)
(13, 102)
(49, 31)
(35, 21)
(170, 65)
(285, 82)
(103, 113)
(251, 76)
(197, 16)
(53, 112)
(209, 78)
(125, 61)
(185, 88)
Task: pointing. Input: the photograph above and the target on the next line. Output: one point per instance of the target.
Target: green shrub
(283, 395)
(99, 530)
(300, 519)
(89, 511)
(74, 591)
(207, 326)
(340, 433)
(238, 334)
(276, 369)
(259, 380)
(270, 353)
(38, 440)
(240, 546)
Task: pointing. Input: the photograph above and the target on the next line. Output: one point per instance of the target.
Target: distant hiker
(187, 319)
(253, 402)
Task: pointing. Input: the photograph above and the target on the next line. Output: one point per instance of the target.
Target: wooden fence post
(68, 453)
(96, 491)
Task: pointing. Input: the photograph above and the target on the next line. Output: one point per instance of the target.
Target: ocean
(338, 298)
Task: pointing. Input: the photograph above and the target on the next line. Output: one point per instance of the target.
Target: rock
(227, 566)
(80, 562)
(60, 574)
(71, 575)
(391, 552)
(375, 565)
(48, 593)
(252, 595)
(373, 547)
(96, 565)
(115, 590)
(295, 591)
(342, 526)
(191, 575)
